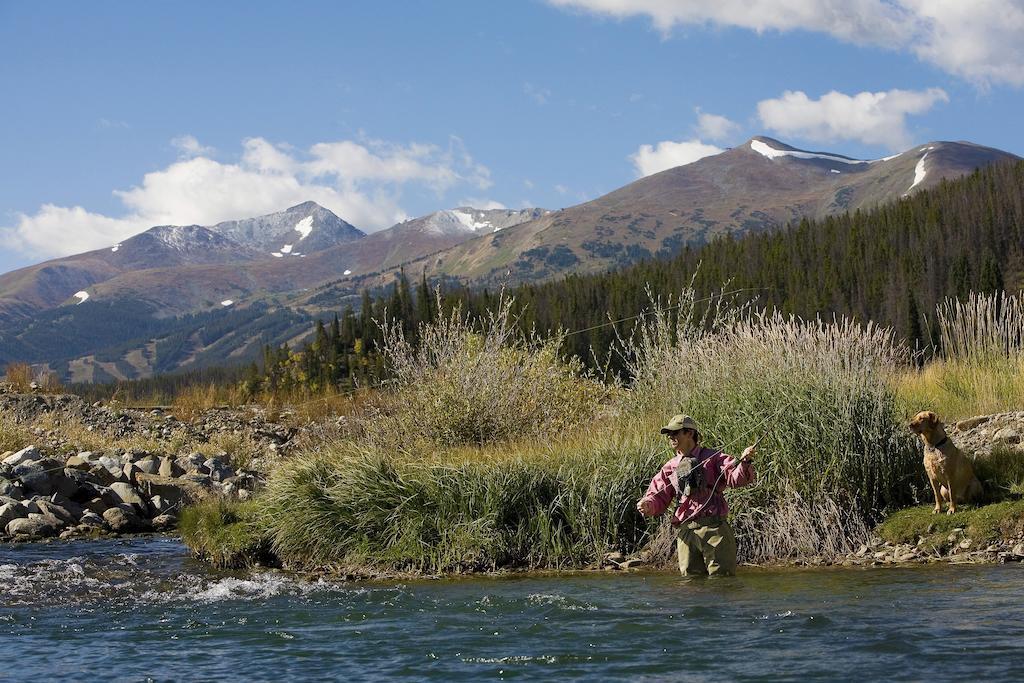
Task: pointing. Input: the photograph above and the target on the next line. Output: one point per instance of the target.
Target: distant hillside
(890, 265)
(759, 186)
(138, 302)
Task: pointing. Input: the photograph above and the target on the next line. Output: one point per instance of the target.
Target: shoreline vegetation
(488, 451)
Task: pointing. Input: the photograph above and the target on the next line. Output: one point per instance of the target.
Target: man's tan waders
(706, 545)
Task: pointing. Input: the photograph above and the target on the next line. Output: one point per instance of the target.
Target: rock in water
(164, 522)
(123, 520)
(38, 526)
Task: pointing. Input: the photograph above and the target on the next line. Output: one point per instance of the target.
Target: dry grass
(982, 368)
(479, 384)
(13, 436)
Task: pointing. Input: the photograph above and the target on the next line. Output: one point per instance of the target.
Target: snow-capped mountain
(762, 184)
(466, 219)
(301, 229)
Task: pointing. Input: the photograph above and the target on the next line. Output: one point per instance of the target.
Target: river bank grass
(491, 453)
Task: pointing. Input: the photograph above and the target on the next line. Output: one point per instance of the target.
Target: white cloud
(650, 159)
(715, 127)
(978, 40)
(536, 93)
(189, 147)
(874, 118)
(561, 189)
(482, 203)
(360, 181)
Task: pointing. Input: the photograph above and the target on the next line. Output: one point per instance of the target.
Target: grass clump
(13, 436)
(547, 506)
(464, 385)
(228, 534)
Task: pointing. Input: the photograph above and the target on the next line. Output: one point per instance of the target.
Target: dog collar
(940, 444)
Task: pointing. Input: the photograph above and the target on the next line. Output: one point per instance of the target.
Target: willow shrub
(479, 384)
(834, 450)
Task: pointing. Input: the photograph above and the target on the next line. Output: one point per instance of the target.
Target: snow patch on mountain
(286, 249)
(82, 296)
(227, 302)
(115, 248)
(764, 149)
(304, 227)
(347, 272)
(919, 173)
(470, 222)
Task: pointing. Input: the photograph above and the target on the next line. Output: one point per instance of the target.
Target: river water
(141, 609)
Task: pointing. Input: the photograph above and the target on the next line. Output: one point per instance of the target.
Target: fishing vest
(689, 479)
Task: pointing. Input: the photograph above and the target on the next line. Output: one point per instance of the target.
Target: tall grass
(981, 369)
(816, 394)
(542, 505)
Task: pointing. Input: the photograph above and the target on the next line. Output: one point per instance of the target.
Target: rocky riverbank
(93, 470)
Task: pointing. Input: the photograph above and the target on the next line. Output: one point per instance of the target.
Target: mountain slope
(760, 185)
(166, 249)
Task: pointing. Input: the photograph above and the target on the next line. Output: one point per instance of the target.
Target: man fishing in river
(697, 478)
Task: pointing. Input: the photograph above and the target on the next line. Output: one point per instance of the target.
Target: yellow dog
(949, 470)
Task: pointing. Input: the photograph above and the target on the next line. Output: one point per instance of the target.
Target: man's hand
(748, 452)
(645, 507)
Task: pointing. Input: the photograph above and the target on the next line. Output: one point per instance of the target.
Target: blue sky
(117, 116)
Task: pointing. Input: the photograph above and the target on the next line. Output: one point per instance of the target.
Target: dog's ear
(931, 417)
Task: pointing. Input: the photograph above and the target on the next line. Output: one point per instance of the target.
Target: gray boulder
(37, 526)
(130, 469)
(91, 519)
(122, 520)
(57, 512)
(71, 506)
(165, 522)
(125, 494)
(112, 465)
(177, 492)
(169, 468)
(10, 512)
(150, 464)
(104, 476)
(63, 484)
(192, 462)
(34, 476)
(25, 455)
(158, 505)
(13, 489)
(217, 469)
